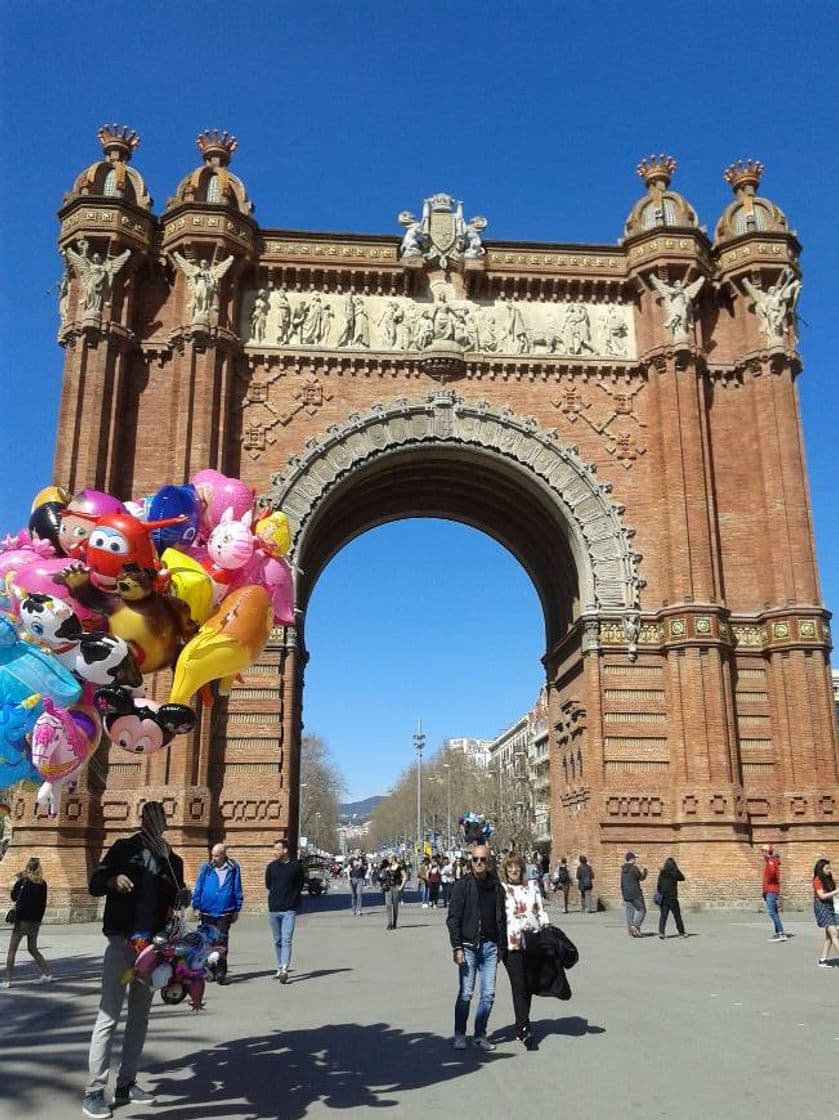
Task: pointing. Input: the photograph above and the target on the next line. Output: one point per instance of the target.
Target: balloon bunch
(96, 593)
(476, 829)
(176, 962)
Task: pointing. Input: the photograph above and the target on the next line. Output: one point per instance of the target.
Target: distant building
(520, 757)
(477, 750)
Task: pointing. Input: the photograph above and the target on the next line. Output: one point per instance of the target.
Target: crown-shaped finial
(217, 146)
(118, 140)
(744, 175)
(656, 169)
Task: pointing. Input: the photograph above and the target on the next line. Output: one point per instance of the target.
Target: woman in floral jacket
(525, 911)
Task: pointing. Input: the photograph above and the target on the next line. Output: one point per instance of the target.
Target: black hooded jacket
(463, 919)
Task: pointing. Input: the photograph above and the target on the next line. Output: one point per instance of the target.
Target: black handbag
(11, 916)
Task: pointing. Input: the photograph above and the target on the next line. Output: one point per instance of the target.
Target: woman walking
(390, 880)
(29, 895)
(525, 911)
(668, 889)
(825, 894)
(434, 878)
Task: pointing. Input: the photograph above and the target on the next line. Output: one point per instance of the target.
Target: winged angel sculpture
(676, 299)
(774, 305)
(203, 280)
(96, 275)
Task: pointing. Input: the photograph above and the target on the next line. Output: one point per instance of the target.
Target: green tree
(321, 790)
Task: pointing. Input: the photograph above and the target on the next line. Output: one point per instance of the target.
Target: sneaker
(824, 963)
(132, 1094)
(777, 937)
(46, 978)
(530, 1041)
(94, 1105)
(278, 974)
(283, 975)
(483, 1043)
(460, 1042)
(425, 906)
(5, 984)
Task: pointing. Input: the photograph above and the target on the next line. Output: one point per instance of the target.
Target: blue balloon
(173, 501)
(24, 669)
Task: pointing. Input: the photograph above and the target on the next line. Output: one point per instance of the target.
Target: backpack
(562, 875)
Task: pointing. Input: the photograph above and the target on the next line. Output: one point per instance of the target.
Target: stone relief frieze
(279, 319)
(609, 576)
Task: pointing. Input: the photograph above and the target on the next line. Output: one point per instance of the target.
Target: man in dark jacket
(477, 925)
(632, 877)
(218, 898)
(143, 882)
(284, 883)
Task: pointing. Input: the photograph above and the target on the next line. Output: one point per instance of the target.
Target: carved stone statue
(577, 330)
(259, 316)
(298, 318)
(279, 300)
(96, 275)
(614, 332)
(515, 335)
(487, 338)
(389, 323)
(677, 299)
(473, 247)
(774, 305)
(348, 330)
(413, 241)
(442, 319)
(63, 299)
(203, 280)
(310, 327)
(361, 330)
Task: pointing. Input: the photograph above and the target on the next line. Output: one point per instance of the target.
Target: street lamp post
(302, 825)
(419, 744)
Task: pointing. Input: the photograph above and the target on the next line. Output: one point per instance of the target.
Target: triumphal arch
(623, 418)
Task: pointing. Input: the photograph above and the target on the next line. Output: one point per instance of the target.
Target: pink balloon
(275, 575)
(218, 493)
(38, 576)
(63, 739)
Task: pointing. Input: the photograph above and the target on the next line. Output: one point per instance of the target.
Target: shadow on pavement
(280, 1075)
(573, 1026)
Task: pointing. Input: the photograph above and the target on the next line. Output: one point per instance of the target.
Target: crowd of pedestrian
(495, 912)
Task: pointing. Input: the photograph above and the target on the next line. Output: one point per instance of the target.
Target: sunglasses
(479, 859)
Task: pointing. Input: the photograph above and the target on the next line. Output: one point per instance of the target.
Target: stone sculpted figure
(203, 280)
(63, 299)
(774, 305)
(577, 329)
(389, 323)
(424, 330)
(515, 334)
(487, 338)
(473, 247)
(442, 319)
(348, 330)
(311, 325)
(677, 299)
(465, 331)
(614, 332)
(413, 240)
(97, 276)
(361, 330)
(298, 318)
(279, 301)
(259, 316)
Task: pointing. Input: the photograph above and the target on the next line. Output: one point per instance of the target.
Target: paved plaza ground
(721, 1025)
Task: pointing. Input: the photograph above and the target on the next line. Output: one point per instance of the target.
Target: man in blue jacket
(218, 899)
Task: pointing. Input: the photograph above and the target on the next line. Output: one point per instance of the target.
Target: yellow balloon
(274, 533)
(190, 582)
(50, 494)
(226, 644)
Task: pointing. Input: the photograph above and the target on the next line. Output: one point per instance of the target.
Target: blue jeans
(772, 910)
(357, 889)
(481, 962)
(282, 927)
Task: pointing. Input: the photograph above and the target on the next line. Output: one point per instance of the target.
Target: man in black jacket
(632, 877)
(284, 883)
(477, 925)
(143, 882)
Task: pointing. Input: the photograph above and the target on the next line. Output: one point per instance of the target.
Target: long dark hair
(670, 867)
(827, 881)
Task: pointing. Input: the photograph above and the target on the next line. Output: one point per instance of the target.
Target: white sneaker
(46, 978)
(777, 937)
(5, 984)
(483, 1043)
(460, 1042)
(425, 906)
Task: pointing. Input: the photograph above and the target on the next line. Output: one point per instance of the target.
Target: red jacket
(772, 874)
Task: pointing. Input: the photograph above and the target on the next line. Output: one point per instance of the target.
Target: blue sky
(535, 115)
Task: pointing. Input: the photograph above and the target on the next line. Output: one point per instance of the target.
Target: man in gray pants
(632, 877)
(142, 880)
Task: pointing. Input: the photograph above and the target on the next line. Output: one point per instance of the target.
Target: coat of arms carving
(442, 235)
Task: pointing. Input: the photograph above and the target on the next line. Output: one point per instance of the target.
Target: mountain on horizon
(354, 812)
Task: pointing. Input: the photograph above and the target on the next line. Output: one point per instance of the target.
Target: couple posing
(486, 920)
